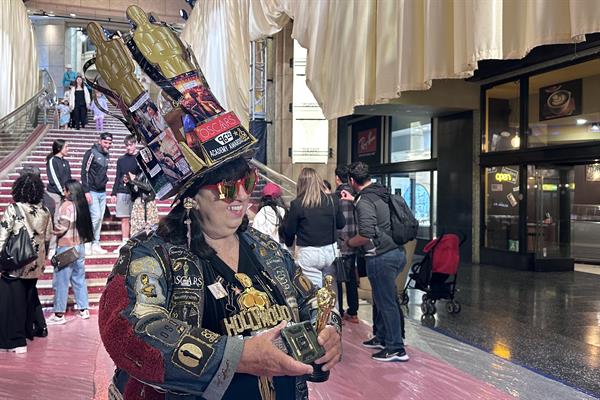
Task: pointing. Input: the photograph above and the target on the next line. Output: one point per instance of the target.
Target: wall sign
(366, 140)
(560, 100)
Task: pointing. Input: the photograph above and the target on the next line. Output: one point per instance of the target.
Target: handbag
(341, 273)
(19, 249)
(67, 257)
(64, 259)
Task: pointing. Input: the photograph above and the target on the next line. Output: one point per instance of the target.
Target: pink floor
(72, 364)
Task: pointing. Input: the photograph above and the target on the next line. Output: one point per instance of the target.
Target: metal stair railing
(16, 126)
(267, 174)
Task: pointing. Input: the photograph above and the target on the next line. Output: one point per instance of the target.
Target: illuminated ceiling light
(72, 15)
(515, 142)
(581, 121)
(595, 127)
(51, 13)
(183, 14)
(191, 3)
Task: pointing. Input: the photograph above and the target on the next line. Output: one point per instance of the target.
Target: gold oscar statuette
(158, 44)
(115, 65)
(326, 301)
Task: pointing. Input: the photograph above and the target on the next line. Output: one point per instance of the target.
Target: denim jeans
(316, 262)
(74, 273)
(97, 213)
(382, 272)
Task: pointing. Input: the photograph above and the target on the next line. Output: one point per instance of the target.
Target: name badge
(217, 290)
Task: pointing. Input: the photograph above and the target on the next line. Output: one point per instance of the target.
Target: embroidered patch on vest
(193, 355)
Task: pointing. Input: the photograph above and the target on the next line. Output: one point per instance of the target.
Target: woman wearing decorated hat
(191, 310)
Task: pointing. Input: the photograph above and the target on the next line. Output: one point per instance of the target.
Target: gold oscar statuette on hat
(115, 65)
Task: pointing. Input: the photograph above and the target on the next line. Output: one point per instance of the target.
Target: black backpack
(403, 223)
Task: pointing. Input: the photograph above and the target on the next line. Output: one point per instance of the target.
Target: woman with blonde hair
(313, 221)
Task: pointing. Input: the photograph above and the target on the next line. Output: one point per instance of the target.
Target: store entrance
(563, 215)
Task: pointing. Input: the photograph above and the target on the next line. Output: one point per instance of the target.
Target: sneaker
(96, 249)
(351, 318)
(391, 355)
(84, 314)
(18, 350)
(373, 343)
(54, 320)
(88, 249)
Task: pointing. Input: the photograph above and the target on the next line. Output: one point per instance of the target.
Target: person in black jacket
(313, 220)
(58, 171)
(384, 260)
(94, 169)
(120, 191)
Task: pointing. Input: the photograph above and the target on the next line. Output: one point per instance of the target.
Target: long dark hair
(82, 82)
(83, 222)
(172, 227)
(57, 146)
(28, 188)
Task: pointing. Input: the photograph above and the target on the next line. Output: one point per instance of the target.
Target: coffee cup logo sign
(560, 100)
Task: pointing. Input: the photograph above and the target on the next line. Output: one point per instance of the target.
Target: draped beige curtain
(18, 57)
(369, 51)
(217, 31)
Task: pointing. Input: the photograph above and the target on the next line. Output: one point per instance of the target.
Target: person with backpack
(384, 259)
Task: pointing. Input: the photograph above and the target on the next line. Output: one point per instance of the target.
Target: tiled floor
(546, 322)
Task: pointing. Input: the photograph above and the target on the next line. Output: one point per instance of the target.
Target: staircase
(97, 267)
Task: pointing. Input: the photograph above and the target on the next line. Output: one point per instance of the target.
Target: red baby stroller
(436, 274)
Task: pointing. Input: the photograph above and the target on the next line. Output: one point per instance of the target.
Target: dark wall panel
(455, 153)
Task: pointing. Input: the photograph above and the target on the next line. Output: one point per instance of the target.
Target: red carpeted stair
(97, 267)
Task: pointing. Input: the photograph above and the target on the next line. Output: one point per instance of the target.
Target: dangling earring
(188, 204)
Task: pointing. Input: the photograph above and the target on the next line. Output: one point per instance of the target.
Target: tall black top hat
(195, 134)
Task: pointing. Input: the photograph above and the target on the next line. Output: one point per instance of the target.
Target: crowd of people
(66, 215)
(334, 233)
(329, 231)
(72, 110)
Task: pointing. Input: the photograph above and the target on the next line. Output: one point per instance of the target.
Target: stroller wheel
(428, 320)
(424, 309)
(456, 307)
(424, 297)
(404, 299)
(450, 307)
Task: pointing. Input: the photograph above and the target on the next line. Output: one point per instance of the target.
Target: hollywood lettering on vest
(256, 319)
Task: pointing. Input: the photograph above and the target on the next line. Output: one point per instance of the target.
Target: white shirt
(267, 222)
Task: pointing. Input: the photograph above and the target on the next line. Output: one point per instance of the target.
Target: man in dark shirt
(384, 259)
(348, 253)
(94, 169)
(120, 191)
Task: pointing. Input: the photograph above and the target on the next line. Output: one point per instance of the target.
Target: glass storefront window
(501, 131)
(564, 106)
(502, 208)
(410, 139)
(416, 189)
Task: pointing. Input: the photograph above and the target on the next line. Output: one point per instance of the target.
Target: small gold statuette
(326, 301)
